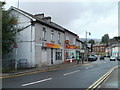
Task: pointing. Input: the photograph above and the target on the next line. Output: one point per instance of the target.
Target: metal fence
(22, 63)
(9, 64)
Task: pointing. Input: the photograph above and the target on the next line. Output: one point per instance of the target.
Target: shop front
(54, 53)
(70, 53)
(78, 56)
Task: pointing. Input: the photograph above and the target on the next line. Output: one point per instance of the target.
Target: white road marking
(36, 82)
(89, 67)
(71, 72)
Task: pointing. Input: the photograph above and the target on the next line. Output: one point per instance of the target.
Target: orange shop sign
(71, 47)
(52, 45)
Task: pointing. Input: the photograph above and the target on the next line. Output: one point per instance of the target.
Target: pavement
(113, 80)
(42, 69)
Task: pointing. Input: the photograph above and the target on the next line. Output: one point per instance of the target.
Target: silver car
(112, 58)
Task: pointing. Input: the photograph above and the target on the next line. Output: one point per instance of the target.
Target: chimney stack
(39, 15)
(48, 19)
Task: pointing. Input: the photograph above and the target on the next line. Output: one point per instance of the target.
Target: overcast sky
(99, 18)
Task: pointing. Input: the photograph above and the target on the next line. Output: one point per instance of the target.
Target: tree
(92, 42)
(105, 39)
(117, 38)
(8, 32)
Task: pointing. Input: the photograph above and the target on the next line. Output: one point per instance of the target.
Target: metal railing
(21, 63)
(9, 64)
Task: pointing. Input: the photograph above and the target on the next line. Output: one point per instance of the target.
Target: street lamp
(86, 36)
(86, 44)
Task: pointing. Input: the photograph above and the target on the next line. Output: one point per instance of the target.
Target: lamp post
(86, 45)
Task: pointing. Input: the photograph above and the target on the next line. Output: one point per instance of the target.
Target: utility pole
(86, 57)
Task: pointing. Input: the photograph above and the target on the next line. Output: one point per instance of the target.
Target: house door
(51, 55)
(44, 57)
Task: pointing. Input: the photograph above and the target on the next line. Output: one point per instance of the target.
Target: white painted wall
(25, 39)
(115, 51)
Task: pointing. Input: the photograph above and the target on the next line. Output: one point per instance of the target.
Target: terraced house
(41, 41)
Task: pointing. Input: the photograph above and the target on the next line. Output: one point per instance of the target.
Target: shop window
(58, 55)
(73, 55)
(44, 48)
(70, 55)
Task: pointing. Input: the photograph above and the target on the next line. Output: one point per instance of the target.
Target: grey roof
(71, 32)
(51, 24)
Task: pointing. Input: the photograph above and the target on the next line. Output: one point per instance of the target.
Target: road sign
(15, 45)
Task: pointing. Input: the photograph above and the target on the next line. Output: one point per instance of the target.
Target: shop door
(77, 55)
(44, 57)
(51, 55)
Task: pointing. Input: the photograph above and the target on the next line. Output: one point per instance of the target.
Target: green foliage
(8, 32)
(98, 53)
(105, 39)
(117, 38)
(92, 41)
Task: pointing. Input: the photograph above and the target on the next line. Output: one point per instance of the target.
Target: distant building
(109, 51)
(115, 50)
(99, 48)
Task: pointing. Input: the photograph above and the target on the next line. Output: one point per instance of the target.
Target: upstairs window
(44, 34)
(74, 40)
(67, 37)
(52, 34)
(59, 36)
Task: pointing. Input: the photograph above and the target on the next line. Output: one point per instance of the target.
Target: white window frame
(74, 40)
(59, 36)
(52, 35)
(44, 33)
(67, 37)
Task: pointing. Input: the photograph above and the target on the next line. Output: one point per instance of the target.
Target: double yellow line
(99, 81)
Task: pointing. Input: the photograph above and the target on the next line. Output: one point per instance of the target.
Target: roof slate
(51, 24)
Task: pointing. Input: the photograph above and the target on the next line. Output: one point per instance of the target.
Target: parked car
(101, 57)
(92, 58)
(108, 56)
(96, 58)
(112, 58)
(118, 58)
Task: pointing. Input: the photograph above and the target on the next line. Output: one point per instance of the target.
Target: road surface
(73, 77)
